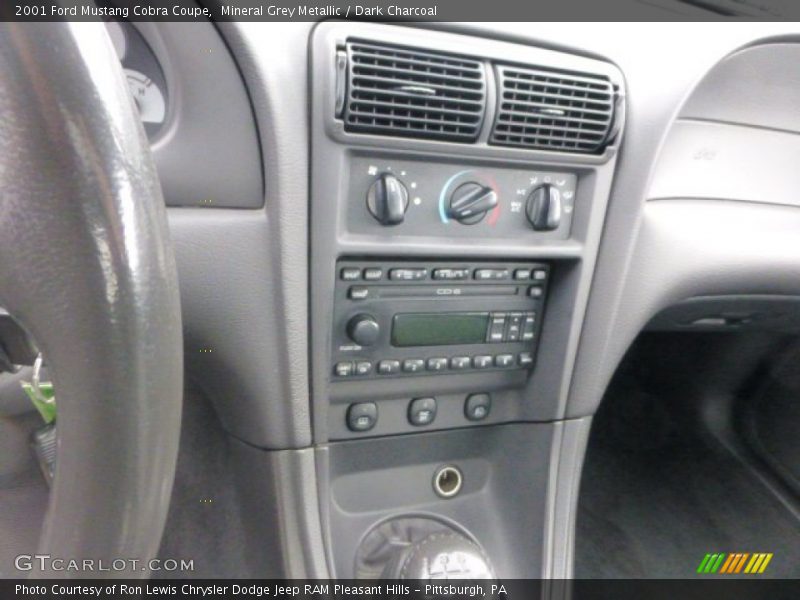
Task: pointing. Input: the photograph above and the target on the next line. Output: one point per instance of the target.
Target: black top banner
(400, 10)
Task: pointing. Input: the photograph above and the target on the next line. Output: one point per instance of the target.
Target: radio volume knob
(363, 329)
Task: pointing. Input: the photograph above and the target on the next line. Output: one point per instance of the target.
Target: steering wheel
(87, 267)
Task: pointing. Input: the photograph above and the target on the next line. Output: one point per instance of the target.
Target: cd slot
(427, 291)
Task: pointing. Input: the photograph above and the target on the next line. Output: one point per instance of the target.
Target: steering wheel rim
(87, 267)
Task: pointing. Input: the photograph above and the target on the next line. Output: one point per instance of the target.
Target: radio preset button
(422, 411)
(482, 362)
(408, 274)
(437, 364)
(477, 406)
(525, 359)
(460, 363)
(413, 365)
(389, 367)
(540, 275)
(363, 367)
(451, 274)
(504, 360)
(373, 274)
(343, 369)
(350, 274)
(362, 416)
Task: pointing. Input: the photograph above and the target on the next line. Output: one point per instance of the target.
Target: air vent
(409, 93)
(552, 110)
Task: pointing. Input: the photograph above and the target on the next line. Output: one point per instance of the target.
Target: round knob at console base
(363, 329)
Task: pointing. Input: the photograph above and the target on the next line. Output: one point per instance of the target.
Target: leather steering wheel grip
(87, 267)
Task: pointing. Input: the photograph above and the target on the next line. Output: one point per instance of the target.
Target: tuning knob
(387, 200)
(363, 329)
(470, 202)
(544, 208)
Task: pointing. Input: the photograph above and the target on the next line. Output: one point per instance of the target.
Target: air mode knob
(387, 200)
(363, 329)
(470, 202)
(544, 208)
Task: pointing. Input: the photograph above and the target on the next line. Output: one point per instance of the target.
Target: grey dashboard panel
(703, 159)
(207, 152)
(502, 504)
(243, 273)
(755, 86)
(337, 195)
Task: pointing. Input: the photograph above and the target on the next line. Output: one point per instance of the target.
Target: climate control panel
(399, 319)
(429, 199)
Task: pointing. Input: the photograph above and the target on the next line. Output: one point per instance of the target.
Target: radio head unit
(401, 319)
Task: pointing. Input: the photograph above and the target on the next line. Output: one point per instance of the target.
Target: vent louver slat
(410, 93)
(552, 110)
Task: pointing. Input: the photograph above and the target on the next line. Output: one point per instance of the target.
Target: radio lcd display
(439, 329)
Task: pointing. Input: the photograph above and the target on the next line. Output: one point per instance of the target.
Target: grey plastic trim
(279, 491)
(333, 154)
(733, 161)
(207, 153)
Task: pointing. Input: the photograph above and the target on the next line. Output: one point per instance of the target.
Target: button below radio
(422, 411)
(413, 365)
(350, 274)
(437, 364)
(491, 274)
(363, 367)
(373, 274)
(343, 369)
(482, 362)
(504, 360)
(362, 416)
(389, 367)
(460, 363)
(408, 274)
(477, 406)
(451, 274)
(525, 359)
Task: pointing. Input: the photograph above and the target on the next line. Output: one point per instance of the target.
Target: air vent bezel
(470, 99)
(575, 140)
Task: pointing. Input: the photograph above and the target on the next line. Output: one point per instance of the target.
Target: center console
(459, 187)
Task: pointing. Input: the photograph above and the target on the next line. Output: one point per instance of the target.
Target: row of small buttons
(363, 416)
(440, 274)
(437, 364)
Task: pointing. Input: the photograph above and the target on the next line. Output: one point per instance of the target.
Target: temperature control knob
(363, 329)
(470, 202)
(544, 208)
(387, 200)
